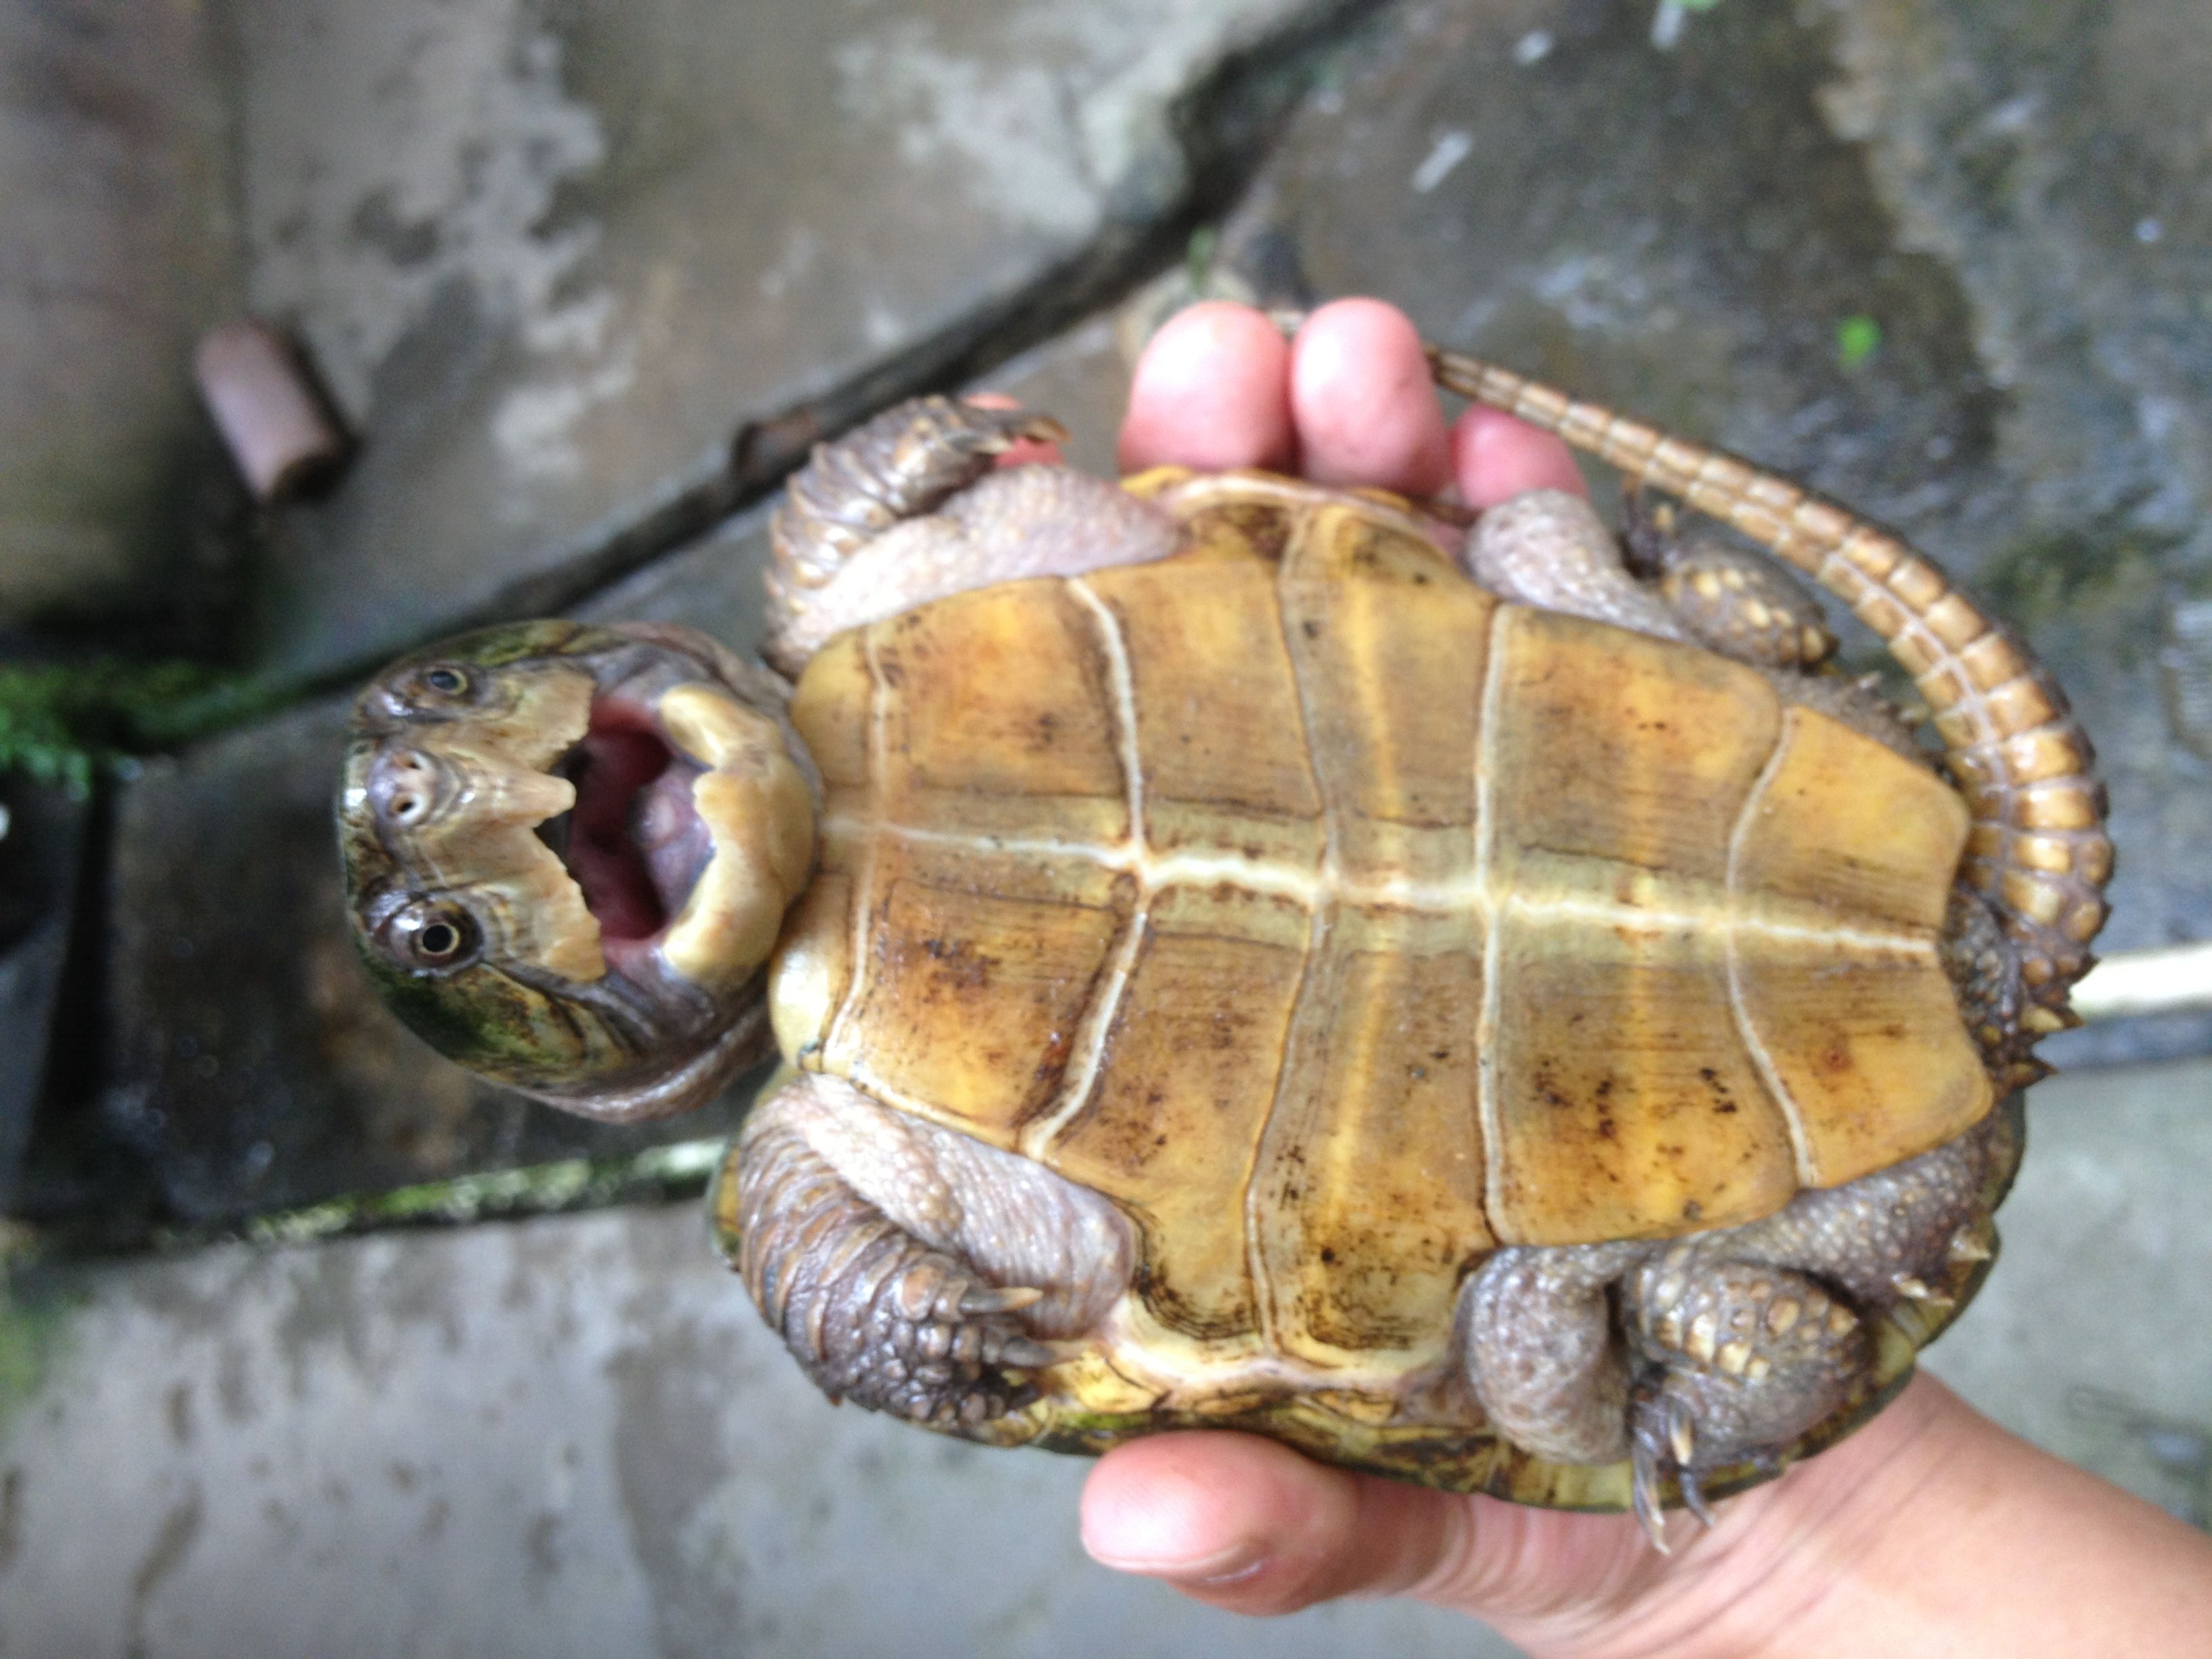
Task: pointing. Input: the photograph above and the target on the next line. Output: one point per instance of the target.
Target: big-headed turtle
(1475, 1003)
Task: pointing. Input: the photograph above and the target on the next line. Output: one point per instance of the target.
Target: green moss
(62, 722)
(34, 1323)
(678, 1171)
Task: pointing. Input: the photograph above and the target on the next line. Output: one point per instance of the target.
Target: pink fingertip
(1146, 1513)
(1211, 390)
(1361, 395)
(1496, 457)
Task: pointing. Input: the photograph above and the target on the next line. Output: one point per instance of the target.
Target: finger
(1246, 1524)
(1364, 406)
(1211, 390)
(1495, 456)
(1022, 452)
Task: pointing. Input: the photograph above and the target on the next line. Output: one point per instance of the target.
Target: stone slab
(1081, 376)
(2094, 1336)
(112, 162)
(2016, 196)
(573, 1436)
(552, 260)
(562, 1437)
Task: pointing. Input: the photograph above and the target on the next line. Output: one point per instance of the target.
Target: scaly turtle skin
(1453, 1002)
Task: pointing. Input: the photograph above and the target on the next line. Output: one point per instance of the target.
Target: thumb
(1251, 1526)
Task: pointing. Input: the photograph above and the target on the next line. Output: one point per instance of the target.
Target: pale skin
(1931, 1530)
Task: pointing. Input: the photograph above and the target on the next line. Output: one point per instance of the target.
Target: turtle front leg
(1726, 1346)
(907, 1268)
(910, 507)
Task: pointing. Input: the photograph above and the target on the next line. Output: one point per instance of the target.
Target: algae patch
(33, 1325)
(63, 722)
(678, 1170)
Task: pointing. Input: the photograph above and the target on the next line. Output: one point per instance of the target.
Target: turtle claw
(1694, 1497)
(1033, 1354)
(1913, 1288)
(1965, 1247)
(997, 1299)
(1027, 1352)
(1663, 1441)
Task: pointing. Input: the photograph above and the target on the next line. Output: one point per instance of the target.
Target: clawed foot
(1663, 1442)
(937, 1346)
(876, 1315)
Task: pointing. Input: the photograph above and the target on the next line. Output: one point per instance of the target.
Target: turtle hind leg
(1739, 1361)
(1723, 1347)
(1730, 599)
(1549, 550)
(1749, 1337)
(909, 1269)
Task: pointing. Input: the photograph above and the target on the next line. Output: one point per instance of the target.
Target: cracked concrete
(553, 259)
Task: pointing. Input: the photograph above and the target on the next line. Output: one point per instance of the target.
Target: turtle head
(568, 853)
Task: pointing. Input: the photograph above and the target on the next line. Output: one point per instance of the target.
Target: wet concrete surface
(552, 260)
(112, 161)
(575, 1436)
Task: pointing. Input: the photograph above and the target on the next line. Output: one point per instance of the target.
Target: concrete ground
(573, 1436)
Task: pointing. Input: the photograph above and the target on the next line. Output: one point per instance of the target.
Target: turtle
(1476, 997)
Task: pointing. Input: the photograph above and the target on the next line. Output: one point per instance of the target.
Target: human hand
(1928, 1530)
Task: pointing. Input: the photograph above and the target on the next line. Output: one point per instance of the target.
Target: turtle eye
(443, 683)
(431, 936)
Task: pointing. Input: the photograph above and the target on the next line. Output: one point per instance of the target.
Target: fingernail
(1229, 1566)
(1251, 1569)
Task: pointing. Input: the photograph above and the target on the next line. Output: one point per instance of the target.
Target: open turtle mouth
(633, 843)
(691, 830)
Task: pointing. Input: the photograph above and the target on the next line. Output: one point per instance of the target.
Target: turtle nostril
(406, 788)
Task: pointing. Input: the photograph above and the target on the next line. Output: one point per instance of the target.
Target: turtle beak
(757, 814)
